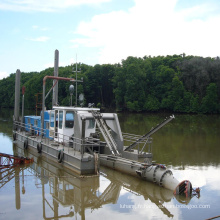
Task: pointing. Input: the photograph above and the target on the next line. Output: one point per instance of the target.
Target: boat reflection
(61, 188)
(157, 195)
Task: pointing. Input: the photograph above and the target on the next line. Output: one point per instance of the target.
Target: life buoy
(25, 144)
(39, 148)
(60, 156)
(14, 136)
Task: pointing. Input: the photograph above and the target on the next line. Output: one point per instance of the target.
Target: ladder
(152, 131)
(105, 133)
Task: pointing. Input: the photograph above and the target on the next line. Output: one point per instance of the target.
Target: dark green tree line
(175, 83)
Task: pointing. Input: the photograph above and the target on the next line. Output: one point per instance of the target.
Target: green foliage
(177, 83)
(152, 104)
(194, 103)
(99, 105)
(210, 101)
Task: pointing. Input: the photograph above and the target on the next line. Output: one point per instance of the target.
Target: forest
(178, 83)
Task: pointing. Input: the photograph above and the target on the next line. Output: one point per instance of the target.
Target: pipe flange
(166, 172)
(154, 174)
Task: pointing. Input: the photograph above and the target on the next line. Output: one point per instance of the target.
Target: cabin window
(91, 124)
(52, 119)
(29, 120)
(60, 119)
(69, 119)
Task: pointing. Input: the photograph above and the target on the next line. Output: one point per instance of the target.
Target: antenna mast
(76, 71)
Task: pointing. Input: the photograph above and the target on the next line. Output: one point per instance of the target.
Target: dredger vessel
(83, 138)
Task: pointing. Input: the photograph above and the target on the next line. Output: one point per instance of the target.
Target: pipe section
(156, 173)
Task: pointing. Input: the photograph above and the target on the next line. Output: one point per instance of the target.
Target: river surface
(189, 145)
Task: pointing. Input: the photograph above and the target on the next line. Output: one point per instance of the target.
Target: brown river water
(189, 145)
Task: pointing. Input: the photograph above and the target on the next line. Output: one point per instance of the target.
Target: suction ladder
(152, 131)
(105, 133)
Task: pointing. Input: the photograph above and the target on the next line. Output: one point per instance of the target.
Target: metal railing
(141, 145)
(69, 141)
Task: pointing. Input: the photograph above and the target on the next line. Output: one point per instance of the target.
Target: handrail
(90, 142)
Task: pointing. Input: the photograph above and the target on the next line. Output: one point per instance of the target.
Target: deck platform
(81, 162)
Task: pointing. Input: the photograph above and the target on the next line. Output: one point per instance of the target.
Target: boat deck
(81, 162)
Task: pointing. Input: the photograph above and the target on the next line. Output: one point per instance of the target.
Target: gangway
(7, 166)
(6, 175)
(7, 160)
(105, 133)
(152, 131)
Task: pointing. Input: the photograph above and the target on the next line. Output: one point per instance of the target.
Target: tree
(119, 89)
(176, 83)
(194, 104)
(210, 102)
(152, 104)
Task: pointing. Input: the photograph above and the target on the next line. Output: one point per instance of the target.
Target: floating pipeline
(156, 173)
(7, 160)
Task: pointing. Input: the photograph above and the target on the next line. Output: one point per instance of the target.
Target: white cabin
(64, 121)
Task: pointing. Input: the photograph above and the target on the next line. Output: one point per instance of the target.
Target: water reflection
(149, 191)
(63, 189)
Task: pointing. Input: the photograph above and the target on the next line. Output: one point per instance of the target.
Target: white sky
(104, 31)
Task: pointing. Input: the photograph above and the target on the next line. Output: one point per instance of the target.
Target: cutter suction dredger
(70, 135)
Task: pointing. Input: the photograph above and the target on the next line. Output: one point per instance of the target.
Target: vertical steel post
(76, 80)
(17, 95)
(55, 89)
(22, 117)
(43, 107)
(83, 135)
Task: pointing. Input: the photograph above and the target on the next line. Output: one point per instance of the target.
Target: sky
(103, 31)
